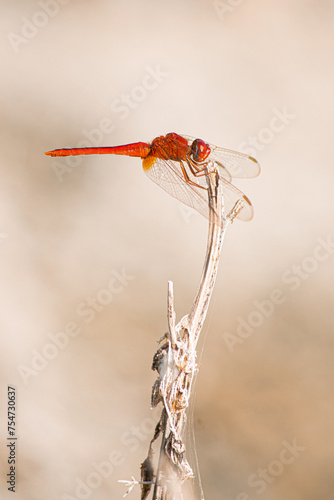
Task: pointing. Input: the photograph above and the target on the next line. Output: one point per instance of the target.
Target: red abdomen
(139, 149)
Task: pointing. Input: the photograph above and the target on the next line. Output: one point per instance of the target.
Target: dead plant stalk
(175, 362)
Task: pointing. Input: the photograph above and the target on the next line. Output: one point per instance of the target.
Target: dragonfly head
(200, 150)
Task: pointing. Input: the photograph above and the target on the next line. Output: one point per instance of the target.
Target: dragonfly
(178, 164)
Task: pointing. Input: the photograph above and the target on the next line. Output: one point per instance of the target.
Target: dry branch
(175, 362)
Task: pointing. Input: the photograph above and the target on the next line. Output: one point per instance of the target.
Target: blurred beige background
(250, 75)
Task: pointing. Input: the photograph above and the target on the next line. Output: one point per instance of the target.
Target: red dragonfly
(177, 163)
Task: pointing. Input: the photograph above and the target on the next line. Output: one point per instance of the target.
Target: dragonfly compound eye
(200, 150)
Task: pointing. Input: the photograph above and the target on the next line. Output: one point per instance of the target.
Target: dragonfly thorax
(170, 147)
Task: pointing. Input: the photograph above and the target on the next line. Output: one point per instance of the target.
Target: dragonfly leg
(186, 176)
(195, 170)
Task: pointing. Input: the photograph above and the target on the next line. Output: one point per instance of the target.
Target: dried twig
(175, 362)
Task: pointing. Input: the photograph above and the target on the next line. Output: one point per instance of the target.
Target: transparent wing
(168, 175)
(231, 195)
(231, 163)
